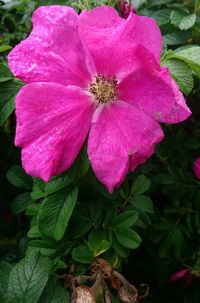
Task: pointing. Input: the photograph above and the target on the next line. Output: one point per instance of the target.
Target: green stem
(111, 2)
(86, 4)
(196, 6)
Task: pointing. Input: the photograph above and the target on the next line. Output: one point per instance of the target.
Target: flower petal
(145, 31)
(109, 40)
(152, 89)
(53, 52)
(52, 124)
(120, 132)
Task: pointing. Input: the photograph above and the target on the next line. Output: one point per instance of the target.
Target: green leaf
(34, 232)
(159, 2)
(54, 293)
(5, 269)
(102, 247)
(165, 247)
(20, 203)
(96, 212)
(121, 250)
(136, 3)
(196, 29)
(191, 56)
(182, 20)
(38, 190)
(42, 189)
(17, 176)
(144, 220)
(78, 227)
(97, 242)
(182, 74)
(80, 166)
(33, 209)
(56, 184)
(5, 79)
(55, 213)
(5, 71)
(59, 264)
(110, 214)
(140, 185)
(125, 219)
(8, 90)
(163, 225)
(28, 279)
(178, 242)
(197, 221)
(142, 203)
(162, 16)
(164, 178)
(190, 222)
(45, 248)
(177, 38)
(6, 111)
(4, 48)
(82, 254)
(128, 237)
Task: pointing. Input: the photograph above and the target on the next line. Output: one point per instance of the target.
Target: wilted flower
(197, 168)
(125, 7)
(97, 74)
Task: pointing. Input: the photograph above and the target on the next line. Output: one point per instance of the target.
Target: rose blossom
(96, 75)
(197, 168)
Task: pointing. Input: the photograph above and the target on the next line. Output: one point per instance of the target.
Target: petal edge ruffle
(53, 51)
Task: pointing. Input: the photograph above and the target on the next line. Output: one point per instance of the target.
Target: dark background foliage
(148, 229)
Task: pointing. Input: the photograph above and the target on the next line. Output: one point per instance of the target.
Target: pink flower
(178, 275)
(197, 168)
(185, 274)
(92, 74)
(125, 7)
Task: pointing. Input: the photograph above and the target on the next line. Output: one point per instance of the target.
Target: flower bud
(125, 7)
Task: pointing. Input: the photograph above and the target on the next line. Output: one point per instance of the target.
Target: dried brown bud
(128, 294)
(82, 294)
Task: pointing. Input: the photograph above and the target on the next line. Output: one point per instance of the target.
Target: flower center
(104, 89)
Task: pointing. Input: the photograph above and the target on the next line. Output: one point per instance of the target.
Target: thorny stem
(126, 201)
